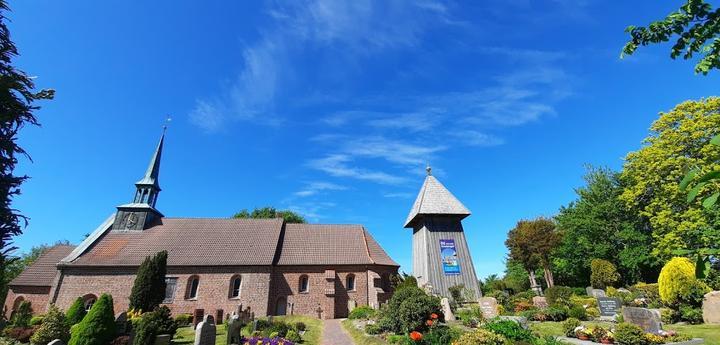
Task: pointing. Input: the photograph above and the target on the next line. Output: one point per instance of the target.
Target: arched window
(350, 282)
(192, 287)
(304, 283)
(235, 286)
(89, 301)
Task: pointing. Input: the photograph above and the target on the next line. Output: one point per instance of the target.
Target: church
(214, 264)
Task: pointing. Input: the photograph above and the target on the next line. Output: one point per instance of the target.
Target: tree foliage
(148, 290)
(17, 100)
(15, 266)
(54, 326)
(652, 176)
(23, 314)
(98, 326)
(271, 212)
(531, 243)
(697, 28)
(678, 285)
(598, 225)
(603, 274)
(76, 312)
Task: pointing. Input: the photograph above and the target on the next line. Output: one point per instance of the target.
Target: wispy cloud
(314, 188)
(400, 195)
(339, 165)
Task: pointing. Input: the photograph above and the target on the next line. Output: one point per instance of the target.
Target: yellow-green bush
(480, 337)
(603, 274)
(677, 282)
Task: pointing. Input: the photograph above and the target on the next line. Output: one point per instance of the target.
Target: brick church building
(214, 264)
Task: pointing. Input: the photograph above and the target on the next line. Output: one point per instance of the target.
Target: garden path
(334, 334)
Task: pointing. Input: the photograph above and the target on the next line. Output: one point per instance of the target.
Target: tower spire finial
(428, 169)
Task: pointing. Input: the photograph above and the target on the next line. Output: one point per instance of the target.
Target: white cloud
(314, 188)
(338, 165)
(399, 195)
(475, 138)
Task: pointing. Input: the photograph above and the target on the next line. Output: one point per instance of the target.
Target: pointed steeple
(153, 170)
(435, 199)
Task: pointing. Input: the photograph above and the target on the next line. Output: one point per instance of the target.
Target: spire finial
(168, 119)
(429, 170)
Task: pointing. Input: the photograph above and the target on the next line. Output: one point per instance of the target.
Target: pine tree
(149, 288)
(76, 312)
(98, 326)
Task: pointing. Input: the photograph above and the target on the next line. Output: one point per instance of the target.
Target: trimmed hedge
(98, 326)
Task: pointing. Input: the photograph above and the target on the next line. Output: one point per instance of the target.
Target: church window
(170, 285)
(235, 286)
(304, 283)
(350, 282)
(89, 301)
(192, 289)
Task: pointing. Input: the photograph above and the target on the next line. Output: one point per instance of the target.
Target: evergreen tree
(16, 111)
(149, 288)
(98, 326)
(54, 326)
(76, 312)
(22, 315)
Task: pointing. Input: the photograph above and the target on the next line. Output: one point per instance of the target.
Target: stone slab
(489, 307)
(445, 303)
(540, 302)
(609, 306)
(695, 341)
(711, 308)
(648, 319)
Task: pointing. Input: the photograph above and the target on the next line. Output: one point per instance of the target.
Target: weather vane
(168, 119)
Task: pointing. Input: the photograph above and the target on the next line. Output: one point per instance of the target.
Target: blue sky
(333, 108)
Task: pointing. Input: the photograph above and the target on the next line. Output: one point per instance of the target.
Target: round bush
(480, 337)
(578, 312)
(53, 327)
(510, 330)
(362, 312)
(441, 335)
(183, 319)
(629, 334)
(373, 329)
(408, 309)
(569, 326)
(678, 285)
(559, 295)
(36, 320)
(603, 274)
(98, 326)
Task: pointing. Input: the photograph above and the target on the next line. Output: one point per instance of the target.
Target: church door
(281, 306)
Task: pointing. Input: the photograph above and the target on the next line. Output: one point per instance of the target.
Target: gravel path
(334, 334)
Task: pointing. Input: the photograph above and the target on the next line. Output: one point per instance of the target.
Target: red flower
(429, 322)
(433, 316)
(416, 336)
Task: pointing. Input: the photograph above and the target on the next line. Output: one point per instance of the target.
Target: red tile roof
(237, 242)
(42, 271)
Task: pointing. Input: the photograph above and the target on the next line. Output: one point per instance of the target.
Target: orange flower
(433, 316)
(416, 336)
(429, 322)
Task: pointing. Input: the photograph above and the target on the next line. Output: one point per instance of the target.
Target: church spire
(153, 170)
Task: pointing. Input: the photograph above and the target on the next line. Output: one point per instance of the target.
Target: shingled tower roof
(153, 171)
(435, 199)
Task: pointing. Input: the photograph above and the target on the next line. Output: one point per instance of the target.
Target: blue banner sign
(448, 254)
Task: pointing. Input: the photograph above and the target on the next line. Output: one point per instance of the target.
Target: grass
(711, 333)
(313, 331)
(359, 337)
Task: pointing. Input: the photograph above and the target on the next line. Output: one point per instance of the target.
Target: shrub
(8, 341)
(569, 326)
(470, 317)
(408, 309)
(408, 282)
(183, 319)
(22, 316)
(373, 329)
(36, 320)
(557, 313)
(98, 326)
(441, 335)
(153, 324)
(54, 327)
(629, 334)
(510, 330)
(21, 334)
(578, 312)
(362, 312)
(603, 274)
(678, 285)
(559, 295)
(148, 290)
(651, 292)
(456, 292)
(121, 340)
(279, 327)
(400, 339)
(76, 312)
(299, 326)
(480, 337)
(293, 336)
(691, 315)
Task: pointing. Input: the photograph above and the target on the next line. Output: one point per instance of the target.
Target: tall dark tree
(532, 242)
(271, 212)
(149, 288)
(17, 98)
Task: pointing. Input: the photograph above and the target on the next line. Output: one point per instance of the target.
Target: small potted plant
(584, 333)
(609, 338)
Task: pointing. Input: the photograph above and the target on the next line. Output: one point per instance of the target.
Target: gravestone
(609, 306)
(56, 342)
(445, 303)
(219, 316)
(234, 327)
(589, 290)
(198, 316)
(489, 307)
(540, 302)
(205, 331)
(648, 319)
(711, 308)
(623, 290)
(121, 323)
(352, 305)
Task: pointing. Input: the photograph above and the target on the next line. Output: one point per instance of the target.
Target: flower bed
(623, 333)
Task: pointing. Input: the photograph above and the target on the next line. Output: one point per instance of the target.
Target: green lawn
(711, 333)
(359, 337)
(186, 335)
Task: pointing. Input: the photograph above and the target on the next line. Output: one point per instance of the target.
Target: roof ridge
(367, 248)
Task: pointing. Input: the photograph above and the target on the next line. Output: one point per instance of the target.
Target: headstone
(446, 310)
(198, 316)
(711, 308)
(352, 305)
(623, 290)
(56, 342)
(121, 323)
(595, 292)
(209, 318)
(205, 332)
(522, 321)
(234, 326)
(219, 316)
(609, 306)
(589, 290)
(648, 319)
(489, 307)
(540, 302)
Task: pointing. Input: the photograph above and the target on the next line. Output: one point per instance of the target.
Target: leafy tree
(15, 266)
(76, 312)
(153, 324)
(54, 326)
(532, 242)
(271, 212)
(516, 277)
(598, 225)
(149, 287)
(17, 100)
(492, 283)
(697, 27)
(603, 274)
(98, 326)
(676, 144)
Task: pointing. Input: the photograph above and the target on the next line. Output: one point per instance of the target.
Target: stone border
(694, 341)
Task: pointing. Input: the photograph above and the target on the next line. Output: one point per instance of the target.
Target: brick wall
(37, 295)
